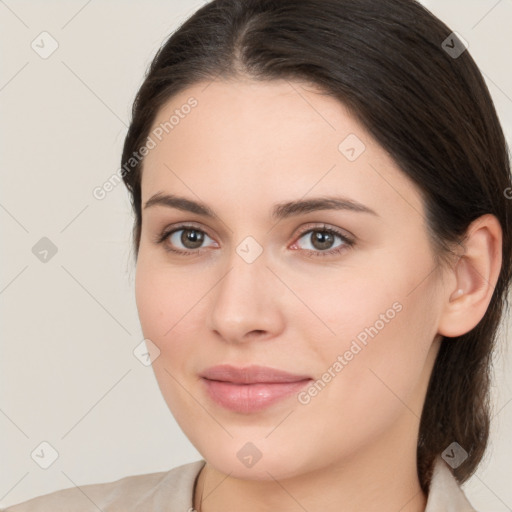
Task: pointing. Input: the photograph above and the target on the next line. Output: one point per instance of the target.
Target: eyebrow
(279, 211)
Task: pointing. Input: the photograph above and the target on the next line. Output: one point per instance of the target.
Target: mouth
(250, 389)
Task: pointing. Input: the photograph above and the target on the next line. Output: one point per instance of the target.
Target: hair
(429, 109)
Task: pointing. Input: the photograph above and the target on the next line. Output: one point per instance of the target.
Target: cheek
(171, 308)
(163, 297)
(385, 378)
(169, 312)
(377, 331)
(152, 302)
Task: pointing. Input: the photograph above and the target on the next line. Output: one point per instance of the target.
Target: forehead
(276, 139)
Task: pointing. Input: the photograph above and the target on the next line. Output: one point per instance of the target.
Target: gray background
(69, 325)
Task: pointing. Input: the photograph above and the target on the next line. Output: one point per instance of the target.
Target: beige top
(172, 491)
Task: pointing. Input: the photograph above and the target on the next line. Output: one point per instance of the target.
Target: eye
(322, 240)
(184, 239)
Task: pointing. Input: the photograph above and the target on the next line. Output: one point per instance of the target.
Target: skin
(245, 147)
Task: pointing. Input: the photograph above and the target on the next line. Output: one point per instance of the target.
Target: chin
(259, 459)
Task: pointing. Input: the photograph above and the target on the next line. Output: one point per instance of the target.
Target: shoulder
(137, 492)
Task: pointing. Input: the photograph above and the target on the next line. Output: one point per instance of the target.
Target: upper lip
(250, 374)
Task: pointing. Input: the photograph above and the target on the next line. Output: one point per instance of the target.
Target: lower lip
(248, 398)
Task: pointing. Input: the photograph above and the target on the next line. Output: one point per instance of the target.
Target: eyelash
(348, 242)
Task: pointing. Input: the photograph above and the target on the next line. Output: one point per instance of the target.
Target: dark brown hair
(426, 105)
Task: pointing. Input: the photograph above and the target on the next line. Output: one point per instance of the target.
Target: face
(344, 293)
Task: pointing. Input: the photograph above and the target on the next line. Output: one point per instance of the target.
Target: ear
(473, 278)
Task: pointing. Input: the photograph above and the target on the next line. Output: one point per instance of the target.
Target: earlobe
(476, 273)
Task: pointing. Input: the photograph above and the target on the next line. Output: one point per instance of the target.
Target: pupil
(191, 238)
(322, 239)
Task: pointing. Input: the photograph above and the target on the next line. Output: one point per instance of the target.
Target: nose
(247, 303)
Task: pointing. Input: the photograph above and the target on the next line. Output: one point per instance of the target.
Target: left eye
(323, 240)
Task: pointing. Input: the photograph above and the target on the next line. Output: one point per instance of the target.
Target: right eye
(184, 239)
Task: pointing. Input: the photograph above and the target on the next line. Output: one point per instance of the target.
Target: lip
(250, 374)
(251, 388)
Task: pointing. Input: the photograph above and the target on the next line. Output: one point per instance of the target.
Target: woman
(322, 238)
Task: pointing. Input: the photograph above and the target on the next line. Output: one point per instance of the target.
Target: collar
(445, 494)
